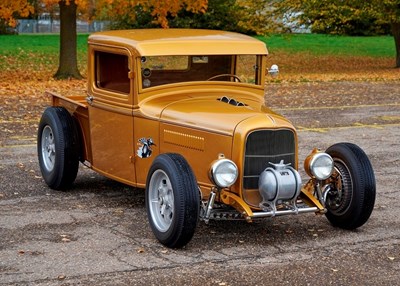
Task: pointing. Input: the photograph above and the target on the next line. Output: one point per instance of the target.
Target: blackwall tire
(58, 148)
(172, 200)
(351, 200)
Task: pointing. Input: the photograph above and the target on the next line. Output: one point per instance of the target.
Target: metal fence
(53, 26)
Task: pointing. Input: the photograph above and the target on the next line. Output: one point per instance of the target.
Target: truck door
(110, 112)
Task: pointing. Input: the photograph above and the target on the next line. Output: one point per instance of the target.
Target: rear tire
(172, 200)
(58, 148)
(352, 197)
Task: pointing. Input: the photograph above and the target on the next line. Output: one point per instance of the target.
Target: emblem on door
(145, 150)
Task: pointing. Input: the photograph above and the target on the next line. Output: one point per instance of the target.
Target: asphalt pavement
(97, 233)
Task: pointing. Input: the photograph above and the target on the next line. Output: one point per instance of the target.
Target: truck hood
(214, 113)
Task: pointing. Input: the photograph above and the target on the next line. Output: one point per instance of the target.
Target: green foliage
(143, 19)
(220, 15)
(345, 18)
(340, 17)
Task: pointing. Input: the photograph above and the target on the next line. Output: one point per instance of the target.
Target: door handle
(89, 99)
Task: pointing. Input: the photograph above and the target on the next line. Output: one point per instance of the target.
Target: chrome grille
(264, 146)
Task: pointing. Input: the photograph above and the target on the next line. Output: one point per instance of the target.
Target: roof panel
(158, 42)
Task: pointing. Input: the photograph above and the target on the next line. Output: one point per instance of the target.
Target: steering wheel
(226, 75)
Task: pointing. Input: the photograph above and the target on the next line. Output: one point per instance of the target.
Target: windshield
(160, 70)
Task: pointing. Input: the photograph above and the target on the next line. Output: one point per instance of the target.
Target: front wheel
(351, 197)
(172, 200)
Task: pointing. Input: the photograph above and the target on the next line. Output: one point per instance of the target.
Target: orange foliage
(159, 9)
(9, 8)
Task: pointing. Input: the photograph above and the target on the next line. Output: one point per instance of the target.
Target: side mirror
(274, 70)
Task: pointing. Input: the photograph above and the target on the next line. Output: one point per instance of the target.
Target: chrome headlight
(319, 165)
(224, 173)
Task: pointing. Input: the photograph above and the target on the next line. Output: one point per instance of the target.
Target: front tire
(172, 200)
(351, 199)
(57, 146)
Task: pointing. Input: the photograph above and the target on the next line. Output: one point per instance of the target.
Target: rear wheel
(351, 199)
(172, 200)
(57, 147)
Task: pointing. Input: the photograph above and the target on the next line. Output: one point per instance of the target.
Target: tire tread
(364, 190)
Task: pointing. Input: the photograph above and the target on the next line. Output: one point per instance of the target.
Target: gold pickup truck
(181, 114)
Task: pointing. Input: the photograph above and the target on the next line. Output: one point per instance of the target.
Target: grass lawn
(37, 43)
(381, 46)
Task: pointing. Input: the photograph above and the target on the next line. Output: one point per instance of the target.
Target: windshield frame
(144, 73)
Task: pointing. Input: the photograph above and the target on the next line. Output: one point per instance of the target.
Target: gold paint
(308, 197)
(236, 202)
(184, 140)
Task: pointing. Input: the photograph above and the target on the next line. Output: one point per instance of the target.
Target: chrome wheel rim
(161, 198)
(48, 148)
(340, 198)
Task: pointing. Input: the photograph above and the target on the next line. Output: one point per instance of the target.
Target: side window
(112, 72)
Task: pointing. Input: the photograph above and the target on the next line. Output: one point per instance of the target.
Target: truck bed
(59, 100)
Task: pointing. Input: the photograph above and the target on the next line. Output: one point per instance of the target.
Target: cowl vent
(231, 101)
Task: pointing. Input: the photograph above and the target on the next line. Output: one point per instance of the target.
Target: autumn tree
(10, 9)
(343, 17)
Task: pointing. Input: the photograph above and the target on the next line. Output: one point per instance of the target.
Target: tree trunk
(396, 35)
(68, 67)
